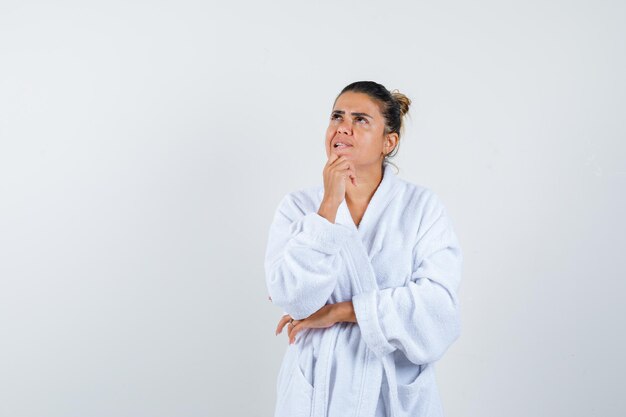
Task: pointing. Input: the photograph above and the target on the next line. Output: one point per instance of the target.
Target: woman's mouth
(340, 145)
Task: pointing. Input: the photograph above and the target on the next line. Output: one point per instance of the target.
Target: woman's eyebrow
(353, 113)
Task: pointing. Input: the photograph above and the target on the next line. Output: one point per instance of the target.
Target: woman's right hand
(337, 171)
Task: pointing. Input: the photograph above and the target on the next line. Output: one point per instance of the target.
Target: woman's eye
(358, 118)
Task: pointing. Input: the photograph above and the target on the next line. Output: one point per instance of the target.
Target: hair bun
(403, 100)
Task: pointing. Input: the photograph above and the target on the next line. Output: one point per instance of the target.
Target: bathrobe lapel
(360, 247)
(382, 196)
(359, 259)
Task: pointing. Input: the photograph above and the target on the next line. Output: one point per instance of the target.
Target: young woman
(366, 269)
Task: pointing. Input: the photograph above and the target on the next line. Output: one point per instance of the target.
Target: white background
(144, 147)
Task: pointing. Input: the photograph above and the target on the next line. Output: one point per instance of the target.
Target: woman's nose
(344, 127)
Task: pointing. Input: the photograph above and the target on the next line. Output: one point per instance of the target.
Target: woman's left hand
(322, 318)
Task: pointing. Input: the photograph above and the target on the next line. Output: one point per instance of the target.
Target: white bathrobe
(401, 268)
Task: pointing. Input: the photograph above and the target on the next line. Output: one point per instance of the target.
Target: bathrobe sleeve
(422, 318)
(302, 259)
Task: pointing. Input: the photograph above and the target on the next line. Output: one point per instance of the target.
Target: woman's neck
(368, 181)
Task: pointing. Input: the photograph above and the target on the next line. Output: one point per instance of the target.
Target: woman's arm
(422, 318)
(302, 259)
(344, 311)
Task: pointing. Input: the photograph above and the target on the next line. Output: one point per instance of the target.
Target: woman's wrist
(328, 210)
(345, 312)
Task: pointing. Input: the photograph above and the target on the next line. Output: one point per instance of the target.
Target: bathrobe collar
(386, 191)
(383, 194)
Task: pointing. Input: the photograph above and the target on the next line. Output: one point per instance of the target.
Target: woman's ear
(391, 141)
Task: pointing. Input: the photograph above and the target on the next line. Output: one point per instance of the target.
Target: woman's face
(357, 122)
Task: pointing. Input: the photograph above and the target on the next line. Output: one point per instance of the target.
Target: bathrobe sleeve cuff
(326, 236)
(365, 310)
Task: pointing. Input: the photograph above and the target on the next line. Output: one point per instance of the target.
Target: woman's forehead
(356, 102)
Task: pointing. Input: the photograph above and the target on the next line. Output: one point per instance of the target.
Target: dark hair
(393, 106)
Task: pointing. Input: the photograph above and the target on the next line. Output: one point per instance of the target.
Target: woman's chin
(343, 151)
